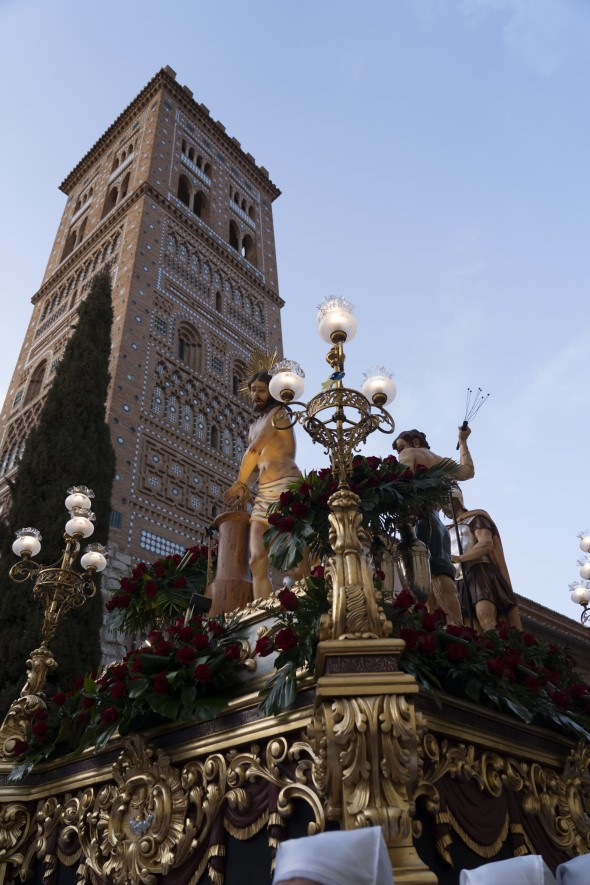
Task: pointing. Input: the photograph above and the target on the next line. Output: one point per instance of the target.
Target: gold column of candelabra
(59, 588)
(365, 729)
(580, 592)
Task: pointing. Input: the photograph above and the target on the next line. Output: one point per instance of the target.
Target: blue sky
(433, 158)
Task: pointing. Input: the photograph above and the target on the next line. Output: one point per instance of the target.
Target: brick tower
(183, 219)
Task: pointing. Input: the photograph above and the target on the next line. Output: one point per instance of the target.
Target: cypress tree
(69, 446)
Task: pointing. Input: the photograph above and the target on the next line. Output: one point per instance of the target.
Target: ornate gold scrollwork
(22, 710)
(561, 802)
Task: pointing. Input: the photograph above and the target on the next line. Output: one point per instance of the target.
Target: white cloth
(343, 857)
(530, 869)
(575, 871)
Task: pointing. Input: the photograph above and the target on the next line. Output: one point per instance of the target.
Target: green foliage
(182, 674)
(391, 495)
(70, 445)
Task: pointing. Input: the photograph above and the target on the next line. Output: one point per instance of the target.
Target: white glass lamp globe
(79, 525)
(78, 501)
(336, 320)
(379, 387)
(585, 544)
(585, 571)
(580, 595)
(286, 386)
(94, 559)
(27, 541)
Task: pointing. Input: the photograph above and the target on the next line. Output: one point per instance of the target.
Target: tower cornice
(166, 79)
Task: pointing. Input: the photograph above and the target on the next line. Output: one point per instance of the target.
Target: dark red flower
(203, 673)
(560, 698)
(512, 657)
(139, 570)
(403, 600)
(288, 600)
(299, 510)
(78, 682)
(41, 714)
(264, 646)
(136, 664)
(496, 667)
(88, 702)
(287, 497)
(550, 675)
(286, 524)
(109, 715)
(180, 581)
(529, 640)
(119, 671)
(579, 690)
(431, 620)
(19, 747)
(201, 641)
(461, 632)
(286, 639)
(216, 629)
(410, 637)
(185, 634)
(532, 683)
(154, 636)
(317, 571)
(119, 690)
(163, 648)
(275, 518)
(186, 654)
(427, 644)
(59, 698)
(304, 490)
(456, 651)
(121, 600)
(40, 728)
(373, 462)
(407, 475)
(159, 570)
(379, 575)
(324, 473)
(233, 652)
(161, 683)
(150, 589)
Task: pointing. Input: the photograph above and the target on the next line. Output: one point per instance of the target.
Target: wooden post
(232, 587)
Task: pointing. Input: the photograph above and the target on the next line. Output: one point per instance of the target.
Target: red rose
(576, 691)
(216, 629)
(410, 637)
(119, 671)
(512, 657)
(324, 473)
(560, 698)
(40, 728)
(185, 634)
(430, 621)
(203, 673)
(372, 462)
(233, 652)
(88, 702)
(456, 651)
(427, 644)
(109, 716)
(139, 570)
(407, 475)
(78, 682)
(420, 470)
(299, 510)
(59, 698)
(154, 636)
(532, 683)
(304, 490)
(127, 585)
(503, 630)
(19, 747)
(264, 646)
(121, 600)
(180, 581)
(286, 524)
(496, 667)
(379, 575)
(159, 570)
(42, 714)
(318, 571)
(274, 519)
(163, 648)
(161, 682)
(529, 640)
(150, 589)
(288, 600)
(461, 632)
(287, 498)
(403, 600)
(119, 690)
(186, 655)
(550, 675)
(201, 641)
(286, 639)
(136, 665)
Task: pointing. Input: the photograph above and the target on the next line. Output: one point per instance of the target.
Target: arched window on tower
(110, 202)
(125, 186)
(214, 438)
(189, 347)
(238, 377)
(70, 244)
(234, 235)
(34, 388)
(218, 302)
(201, 206)
(249, 249)
(184, 190)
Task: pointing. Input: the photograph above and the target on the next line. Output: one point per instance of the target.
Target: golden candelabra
(59, 588)
(365, 731)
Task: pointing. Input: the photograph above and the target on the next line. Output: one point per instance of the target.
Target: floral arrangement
(391, 496)
(158, 592)
(182, 673)
(507, 669)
